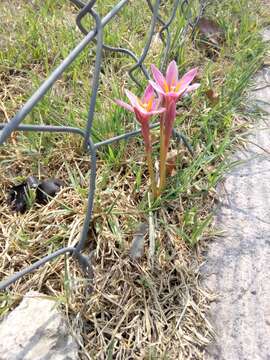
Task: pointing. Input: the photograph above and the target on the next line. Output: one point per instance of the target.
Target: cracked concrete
(238, 263)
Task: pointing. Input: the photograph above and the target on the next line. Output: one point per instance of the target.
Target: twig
(260, 147)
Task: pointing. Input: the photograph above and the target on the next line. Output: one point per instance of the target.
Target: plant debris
(210, 31)
(137, 245)
(131, 304)
(20, 197)
(212, 96)
(171, 162)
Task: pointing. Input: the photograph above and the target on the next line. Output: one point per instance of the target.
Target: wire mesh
(95, 35)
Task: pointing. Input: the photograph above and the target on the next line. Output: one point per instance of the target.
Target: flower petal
(157, 87)
(155, 112)
(191, 88)
(173, 95)
(159, 78)
(186, 80)
(148, 94)
(157, 102)
(142, 110)
(132, 98)
(172, 73)
(141, 118)
(124, 105)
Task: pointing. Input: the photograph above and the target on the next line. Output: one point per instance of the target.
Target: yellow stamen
(150, 104)
(178, 86)
(166, 87)
(144, 105)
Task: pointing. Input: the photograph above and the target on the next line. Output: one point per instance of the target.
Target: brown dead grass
(137, 310)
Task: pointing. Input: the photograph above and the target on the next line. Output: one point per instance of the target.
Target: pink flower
(147, 106)
(144, 109)
(170, 86)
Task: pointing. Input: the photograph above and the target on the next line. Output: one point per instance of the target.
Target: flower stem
(163, 155)
(152, 174)
(162, 159)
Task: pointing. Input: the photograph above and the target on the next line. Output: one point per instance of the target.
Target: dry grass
(137, 310)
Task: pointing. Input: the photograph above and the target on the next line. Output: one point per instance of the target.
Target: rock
(36, 330)
(137, 245)
(19, 195)
(266, 34)
(48, 189)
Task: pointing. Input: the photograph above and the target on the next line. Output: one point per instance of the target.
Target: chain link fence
(95, 36)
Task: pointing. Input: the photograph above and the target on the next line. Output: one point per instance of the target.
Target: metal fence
(95, 36)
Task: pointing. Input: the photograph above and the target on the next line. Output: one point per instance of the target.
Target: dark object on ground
(47, 189)
(19, 195)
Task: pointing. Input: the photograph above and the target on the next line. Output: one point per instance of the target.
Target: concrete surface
(36, 330)
(238, 263)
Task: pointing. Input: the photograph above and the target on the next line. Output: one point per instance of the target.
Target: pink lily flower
(144, 109)
(170, 86)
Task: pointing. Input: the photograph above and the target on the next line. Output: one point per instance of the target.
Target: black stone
(47, 189)
(17, 197)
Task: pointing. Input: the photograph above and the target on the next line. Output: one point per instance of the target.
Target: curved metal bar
(185, 3)
(148, 42)
(88, 143)
(42, 90)
(48, 128)
(125, 136)
(78, 3)
(79, 18)
(162, 22)
(95, 82)
(131, 54)
(91, 194)
(203, 5)
(84, 11)
(14, 123)
(152, 10)
(168, 23)
(5, 283)
(82, 259)
(168, 42)
(180, 137)
(85, 263)
(165, 27)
